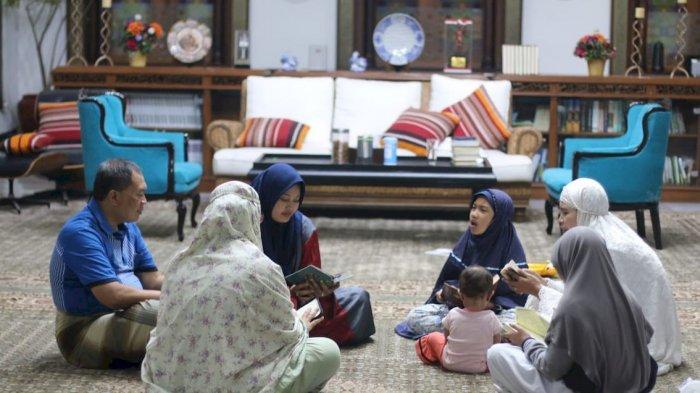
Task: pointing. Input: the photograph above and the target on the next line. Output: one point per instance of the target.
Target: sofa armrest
(221, 134)
(525, 141)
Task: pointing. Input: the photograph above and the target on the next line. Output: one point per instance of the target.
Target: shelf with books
(578, 106)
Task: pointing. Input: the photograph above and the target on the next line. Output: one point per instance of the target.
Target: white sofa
(365, 107)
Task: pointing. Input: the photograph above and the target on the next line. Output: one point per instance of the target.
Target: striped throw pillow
(479, 118)
(273, 132)
(415, 126)
(26, 143)
(60, 121)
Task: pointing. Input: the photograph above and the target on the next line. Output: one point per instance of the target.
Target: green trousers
(94, 341)
(318, 362)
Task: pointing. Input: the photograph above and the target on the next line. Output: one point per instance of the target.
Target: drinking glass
(431, 146)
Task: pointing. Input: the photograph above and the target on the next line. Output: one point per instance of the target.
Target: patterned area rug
(387, 257)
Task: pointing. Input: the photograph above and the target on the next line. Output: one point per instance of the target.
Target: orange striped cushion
(272, 132)
(479, 118)
(415, 126)
(26, 143)
(60, 120)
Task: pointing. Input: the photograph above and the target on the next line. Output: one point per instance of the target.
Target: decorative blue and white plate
(398, 39)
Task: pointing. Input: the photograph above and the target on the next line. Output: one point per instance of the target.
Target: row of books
(677, 122)
(172, 111)
(597, 116)
(678, 170)
(520, 59)
(466, 151)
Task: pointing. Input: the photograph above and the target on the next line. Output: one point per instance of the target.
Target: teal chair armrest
(178, 139)
(156, 157)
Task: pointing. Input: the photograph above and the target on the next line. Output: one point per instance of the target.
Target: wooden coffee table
(413, 184)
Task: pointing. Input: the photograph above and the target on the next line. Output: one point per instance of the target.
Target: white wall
(292, 26)
(556, 25)
(20, 73)
(20, 65)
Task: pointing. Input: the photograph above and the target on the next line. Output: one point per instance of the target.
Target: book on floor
(302, 275)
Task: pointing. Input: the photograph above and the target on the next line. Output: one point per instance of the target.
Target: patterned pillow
(26, 143)
(273, 132)
(415, 126)
(479, 118)
(60, 121)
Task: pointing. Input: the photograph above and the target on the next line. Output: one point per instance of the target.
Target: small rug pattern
(387, 257)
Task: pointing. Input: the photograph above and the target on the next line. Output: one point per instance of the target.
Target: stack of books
(466, 151)
(520, 59)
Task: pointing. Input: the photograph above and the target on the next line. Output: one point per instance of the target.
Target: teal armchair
(630, 167)
(162, 156)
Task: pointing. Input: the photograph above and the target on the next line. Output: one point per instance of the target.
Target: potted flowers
(139, 38)
(596, 49)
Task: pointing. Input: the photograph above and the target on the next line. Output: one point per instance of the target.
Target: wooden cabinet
(220, 88)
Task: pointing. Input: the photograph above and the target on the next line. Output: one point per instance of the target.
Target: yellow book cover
(532, 322)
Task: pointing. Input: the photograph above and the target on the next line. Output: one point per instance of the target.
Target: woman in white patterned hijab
(636, 264)
(225, 320)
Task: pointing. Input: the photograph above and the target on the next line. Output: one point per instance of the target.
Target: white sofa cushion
(509, 167)
(368, 107)
(239, 161)
(307, 100)
(445, 91)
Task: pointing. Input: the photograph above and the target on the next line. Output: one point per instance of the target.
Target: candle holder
(105, 35)
(637, 43)
(682, 29)
(76, 33)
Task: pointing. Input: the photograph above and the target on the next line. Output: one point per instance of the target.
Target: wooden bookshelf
(220, 90)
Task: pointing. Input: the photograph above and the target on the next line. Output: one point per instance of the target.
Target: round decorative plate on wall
(189, 41)
(398, 39)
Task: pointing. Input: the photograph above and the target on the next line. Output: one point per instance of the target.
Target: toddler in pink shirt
(469, 331)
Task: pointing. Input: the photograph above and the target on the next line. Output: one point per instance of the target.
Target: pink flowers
(594, 46)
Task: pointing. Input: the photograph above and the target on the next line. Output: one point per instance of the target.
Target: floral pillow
(273, 132)
(479, 118)
(415, 126)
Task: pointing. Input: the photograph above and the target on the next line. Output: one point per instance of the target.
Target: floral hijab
(225, 319)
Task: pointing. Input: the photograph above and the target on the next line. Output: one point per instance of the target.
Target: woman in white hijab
(583, 202)
(226, 322)
(597, 340)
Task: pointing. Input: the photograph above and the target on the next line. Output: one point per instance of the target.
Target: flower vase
(137, 59)
(596, 67)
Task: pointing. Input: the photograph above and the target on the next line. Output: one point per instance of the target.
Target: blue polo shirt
(89, 252)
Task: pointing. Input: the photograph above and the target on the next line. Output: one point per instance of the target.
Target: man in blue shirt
(104, 282)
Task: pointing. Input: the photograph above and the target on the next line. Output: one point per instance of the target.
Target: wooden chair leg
(549, 212)
(181, 212)
(195, 206)
(641, 230)
(656, 225)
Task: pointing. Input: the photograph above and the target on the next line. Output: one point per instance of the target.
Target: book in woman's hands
(532, 322)
(302, 275)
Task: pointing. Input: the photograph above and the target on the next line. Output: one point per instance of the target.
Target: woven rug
(387, 257)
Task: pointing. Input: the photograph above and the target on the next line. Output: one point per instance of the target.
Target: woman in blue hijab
(489, 241)
(290, 239)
